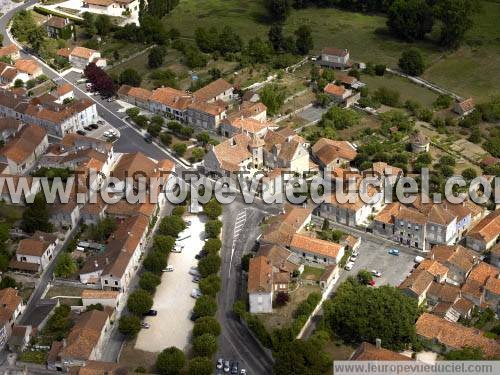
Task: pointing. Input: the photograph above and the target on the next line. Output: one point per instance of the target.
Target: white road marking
(240, 221)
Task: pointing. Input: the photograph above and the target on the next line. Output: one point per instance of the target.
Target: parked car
(196, 293)
(376, 273)
(148, 138)
(235, 368)
(81, 132)
(353, 258)
(226, 366)
(169, 268)
(371, 282)
(243, 371)
(418, 259)
(394, 251)
(200, 255)
(193, 316)
(220, 363)
(349, 266)
(178, 249)
(151, 313)
(145, 325)
(194, 272)
(93, 126)
(196, 279)
(100, 122)
(88, 128)
(355, 253)
(188, 223)
(110, 100)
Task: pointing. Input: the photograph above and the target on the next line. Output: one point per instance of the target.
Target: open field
(472, 70)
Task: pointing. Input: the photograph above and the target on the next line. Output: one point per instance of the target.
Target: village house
(464, 107)
(57, 119)
(99, 368)
(11, 306)
(482, 287)
(231, 155)
(9, 75)
(495, 256)
(457, 259)
(63, 92)
(282, 259)
(113, 8)
(218, 90)
(335, 58)
(137, 96)
(108, 298)
(248, 109)
(64, 215)
(342, 95)
(369, 352)
(282, 228)
(35, 252)
(84, 342)
(10, 51)
(29, 67)
(231, 126)
(80, 57)
(206, 115)
(21, 152)
(439, 333)
(260, 285)
(484, 235)
(170, 102)
(314, 250)
(20, 338)
(330, 153)
(59, 27)
(9, 127)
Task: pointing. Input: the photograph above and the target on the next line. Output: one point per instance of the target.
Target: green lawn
(11, 213)
(407, 89)
(313, 273)
(468, 71)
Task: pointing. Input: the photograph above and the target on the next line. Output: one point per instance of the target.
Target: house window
(106, 282)
(116, 282)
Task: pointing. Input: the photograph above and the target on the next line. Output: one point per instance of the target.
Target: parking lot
(172, 326)
(373, 256)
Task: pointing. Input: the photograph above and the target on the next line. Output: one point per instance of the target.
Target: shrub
(206, 324)
(149, 281)
(155, 262)
(282, 299)
(213, 228)
(212, 209)
(200, 366)
(204, 345)
(209, 265)
(212, 245)
(170, 361)
(129, 325)
(210, 285)
(205, 306)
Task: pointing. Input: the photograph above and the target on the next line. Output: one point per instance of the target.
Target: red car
(371, 282)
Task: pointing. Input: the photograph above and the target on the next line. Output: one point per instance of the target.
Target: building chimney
(378, 343)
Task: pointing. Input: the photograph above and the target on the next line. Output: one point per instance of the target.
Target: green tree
(212, 245)
(366, 321)
(36, 36)
(129, 325)
(209, 265)
(7, 282)
(179, 148)
(339, 118)
(410, 19)
(412, 62)
(212, 209)
(456, 18)
(204, 345)
(65, 266)
(170, 361)
(149, 281)
(171, 226)
(139, 302)
(103, 24)
(364, 277)
(163, 244)
(103, 229)
(210, 285)
(275, 36)
(469, 174)
(278, 9)
(207, 324)
(200, 366)
(273, 96)
(205, 306)
(300, 357)
(304, 41)
(89, 24)
(213, 228)
(130, 77)
(387, 96)
(155, 262)
(155, 57)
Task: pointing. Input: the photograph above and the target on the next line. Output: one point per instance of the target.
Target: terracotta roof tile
(212, 90)
(334, 51)
(8, 50)
(24, 144)
(369, 352)
(327, 150)
(418, 282)
(260, 275)
(316, 246)
(487, 229)
(334, 90)
(9, 301)
(28, 66)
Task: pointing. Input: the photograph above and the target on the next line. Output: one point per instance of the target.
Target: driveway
(172, 300)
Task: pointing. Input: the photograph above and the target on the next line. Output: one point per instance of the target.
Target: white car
(376, 273)
(169, 268)
(349, 266)
(178, 249)
(418, 259)
(196, 293)
(355, 253)
(353, 258)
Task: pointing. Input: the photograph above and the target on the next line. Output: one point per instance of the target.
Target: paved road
(235, 342)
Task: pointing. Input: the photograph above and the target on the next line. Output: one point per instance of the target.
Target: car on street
(110, 100)
(196, 293)
(227, 367)
(148, 138)
(243, 371)
(169, 268)
(376, 273)
(151, 313)
(220, 363)
(394, 252)
(349, 266)
(145, 325)
(81, 132)
(100, 122)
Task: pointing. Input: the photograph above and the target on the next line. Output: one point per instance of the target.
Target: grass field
(472, 70)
